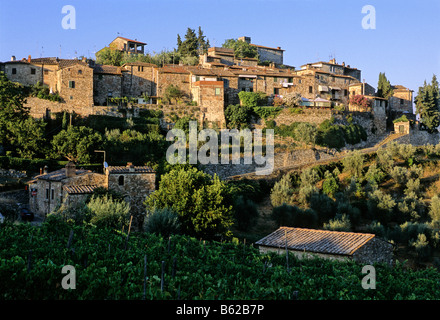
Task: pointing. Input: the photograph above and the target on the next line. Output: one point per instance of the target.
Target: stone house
(75, 82)
(210, 95)
(402, 99)
(308, 243)
(69, 186)
(107, 83)
(138, 79)
(402, 127)
(334, 68)
(127, 45)
(274, 55)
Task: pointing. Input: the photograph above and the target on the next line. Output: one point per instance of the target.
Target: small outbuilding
(304, 243)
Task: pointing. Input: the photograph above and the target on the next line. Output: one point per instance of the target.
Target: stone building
(334, 68)
(266, 54)
(306, 243)
(210, 95)
(138, 79)
(69, 186)
(127, 45)
(107, 83)
(134, 183)
(402, 99)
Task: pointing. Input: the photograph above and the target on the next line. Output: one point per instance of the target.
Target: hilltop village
(86, 88)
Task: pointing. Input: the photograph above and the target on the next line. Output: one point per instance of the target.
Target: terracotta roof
(59, 175)
(126, 169)
(48, 60)
(264, 47)
(138, 63)
(317, 241)
(106, 69)
(80, 189)
(223, 51)
(173, 69)
(126, 39)
(64, 63)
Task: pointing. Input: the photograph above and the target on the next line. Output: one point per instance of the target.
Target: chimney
(29, 58)
(41, 171)
(70, 169)
(46, 169)
(279, 48)
(84, 59)
(130, 167)
(13, 58)
(343, 64)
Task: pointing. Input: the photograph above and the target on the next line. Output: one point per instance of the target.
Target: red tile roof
(126, 39)
(317, 241)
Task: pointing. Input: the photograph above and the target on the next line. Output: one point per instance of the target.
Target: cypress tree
(427, 104)
(384, 89)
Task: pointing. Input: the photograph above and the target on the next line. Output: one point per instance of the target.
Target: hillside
(112, 265)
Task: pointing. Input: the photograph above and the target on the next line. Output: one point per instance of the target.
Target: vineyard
(116, 266)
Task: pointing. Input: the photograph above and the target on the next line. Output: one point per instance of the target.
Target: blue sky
(404, 45)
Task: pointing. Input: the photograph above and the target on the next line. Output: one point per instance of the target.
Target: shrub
(376, 228)
(330, 184)
(380, 205)
(282, 191)
(108, 212)
(421, 245)
(305, 132)
(434, 210)
(245, 213)
(353, 163)
(162, 221)
(322, 205)
(292, 216)
(339, 223)
(399, 175)
(252, 99)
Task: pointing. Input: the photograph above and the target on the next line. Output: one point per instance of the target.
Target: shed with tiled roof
(303, 242)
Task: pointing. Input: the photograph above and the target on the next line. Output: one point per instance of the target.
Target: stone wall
(375, 251)
(79, 95)
(268, 54)
(138, 80)
(135, 188)
(105, 86)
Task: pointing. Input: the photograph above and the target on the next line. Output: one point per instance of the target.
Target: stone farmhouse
(308, 243)
(69, 186)
(86, 87)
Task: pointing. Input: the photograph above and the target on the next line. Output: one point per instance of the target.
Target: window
(345, 92)
(218, 91)
(53, 193)
(47, 194)
(46, 72)
(290, 80)
(80, 71)
(72, 84)
(299, 81)
(140, 69)
(401, 101)
(32, 70)
(100, 77)
(275, 79)
(121, 180)
(310, 89)
(14, 70)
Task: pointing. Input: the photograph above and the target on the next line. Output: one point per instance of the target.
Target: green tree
(434, 210)
(76, 143)
(109, 56)
(108, 212)
(427, 104)
(12, 109)
(162, 221)
(242, 49)
(172, 92)
(198, 199)
(26, 136)
(202, 42)
(306, 133)
(189, 47)
(282, 191)
(238, 116)
(384, 88)
(353, 163)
